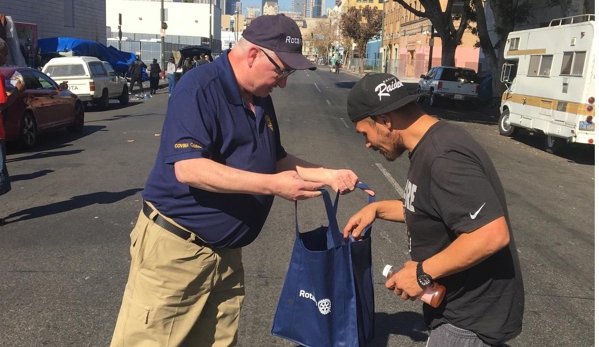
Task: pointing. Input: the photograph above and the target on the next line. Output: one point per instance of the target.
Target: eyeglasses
(282, 73)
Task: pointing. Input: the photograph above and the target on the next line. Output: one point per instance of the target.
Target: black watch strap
(424, 279)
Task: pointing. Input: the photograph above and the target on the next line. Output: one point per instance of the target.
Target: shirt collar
(228, 81)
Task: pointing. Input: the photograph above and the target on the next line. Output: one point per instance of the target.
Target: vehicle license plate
(458, 97)
(586, 126)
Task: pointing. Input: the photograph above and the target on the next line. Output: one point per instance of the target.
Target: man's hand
(289, 185)
(20, 86)
(343, 181)
(404, 283)
(359, 221)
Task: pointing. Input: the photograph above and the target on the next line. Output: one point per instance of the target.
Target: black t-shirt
(453, 188)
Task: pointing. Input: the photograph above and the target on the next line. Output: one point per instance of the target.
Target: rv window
(514, 43)
(573, 63)
(545, 65)
(540, 65)
(533, 68)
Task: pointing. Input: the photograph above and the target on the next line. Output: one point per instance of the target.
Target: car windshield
(65, 70)
(458, 75)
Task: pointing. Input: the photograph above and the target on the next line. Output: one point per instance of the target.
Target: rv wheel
(505, 128)
(554, 145)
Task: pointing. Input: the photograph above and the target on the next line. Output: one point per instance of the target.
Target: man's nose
(282, 82)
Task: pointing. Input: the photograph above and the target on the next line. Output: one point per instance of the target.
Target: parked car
(189, 52)
(90, 78)
(44, 106)
(450, 83)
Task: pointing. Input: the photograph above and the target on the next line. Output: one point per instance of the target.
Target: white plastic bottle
(432, 295)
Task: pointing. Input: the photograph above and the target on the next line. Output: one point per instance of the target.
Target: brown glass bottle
(432, 295)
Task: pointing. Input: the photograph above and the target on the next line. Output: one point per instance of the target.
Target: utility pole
(163, 27)
(210, 35)
(120, 32)
(384, 60)
(431, 44)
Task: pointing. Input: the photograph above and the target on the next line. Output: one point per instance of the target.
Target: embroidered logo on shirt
(472, 216)
(187, 145)
(268, 123)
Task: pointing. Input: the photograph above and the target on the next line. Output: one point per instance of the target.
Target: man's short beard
(398, 148)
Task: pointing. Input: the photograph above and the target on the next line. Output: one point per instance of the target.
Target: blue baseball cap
(281, 35)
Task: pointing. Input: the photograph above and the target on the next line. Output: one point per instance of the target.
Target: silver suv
(450, 83)
(90, 78)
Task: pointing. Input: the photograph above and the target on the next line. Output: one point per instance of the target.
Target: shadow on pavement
(346, 85)
(54, 140)
(576, 153)
(30, 176)
(43, 155)
(74, 203)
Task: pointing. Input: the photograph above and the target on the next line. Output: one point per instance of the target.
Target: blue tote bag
(328, 295)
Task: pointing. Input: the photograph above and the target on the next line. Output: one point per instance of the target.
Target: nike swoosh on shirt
(472, 216)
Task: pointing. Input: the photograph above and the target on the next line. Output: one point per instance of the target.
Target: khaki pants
(178, 293)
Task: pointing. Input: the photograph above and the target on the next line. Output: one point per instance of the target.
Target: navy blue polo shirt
(207, 118)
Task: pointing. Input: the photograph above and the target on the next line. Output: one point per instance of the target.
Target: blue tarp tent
(118, 59)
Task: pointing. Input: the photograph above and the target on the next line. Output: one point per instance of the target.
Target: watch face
(424, 280)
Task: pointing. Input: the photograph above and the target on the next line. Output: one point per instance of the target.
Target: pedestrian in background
(155, 71)
(171, 68)
(208, 58)
(6, 99)
(219, 166)
(186, 66)
(136, 70)
(456, 215)
(194, 62)
(202, 60)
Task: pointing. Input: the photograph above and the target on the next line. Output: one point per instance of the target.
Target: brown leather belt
(165, 224)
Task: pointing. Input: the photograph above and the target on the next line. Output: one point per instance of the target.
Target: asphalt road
(64, 254)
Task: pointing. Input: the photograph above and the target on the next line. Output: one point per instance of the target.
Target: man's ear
(385, 120)
(252, 54)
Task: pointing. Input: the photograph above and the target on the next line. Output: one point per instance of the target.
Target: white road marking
(317, 88)
(391, 180)
(328, 102)
(343, 121)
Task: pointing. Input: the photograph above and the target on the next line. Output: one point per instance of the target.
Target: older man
(456, 216)
(219, 166)
(6, 99)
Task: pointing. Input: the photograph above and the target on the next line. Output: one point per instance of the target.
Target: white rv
(550, 73)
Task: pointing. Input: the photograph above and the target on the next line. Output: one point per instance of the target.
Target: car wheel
(79, 120)
(433, 102)
(555, 145)
(124, 98)
(28, 133)
(505, 128)
(421, 98)
(104, 100)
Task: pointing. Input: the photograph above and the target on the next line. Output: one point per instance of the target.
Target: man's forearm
(469, 249)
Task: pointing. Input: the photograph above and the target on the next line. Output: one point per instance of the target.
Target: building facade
(408, 43)
(188, 23)
(270, 8)
(84, 19)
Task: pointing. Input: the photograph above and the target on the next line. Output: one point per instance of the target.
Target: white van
(90, 78)
(550, 73)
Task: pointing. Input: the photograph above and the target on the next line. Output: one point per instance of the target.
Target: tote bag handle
(335, 238)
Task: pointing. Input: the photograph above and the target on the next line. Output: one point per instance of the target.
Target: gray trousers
(448, 335)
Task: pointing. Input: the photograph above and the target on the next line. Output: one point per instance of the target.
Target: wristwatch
(424, 279)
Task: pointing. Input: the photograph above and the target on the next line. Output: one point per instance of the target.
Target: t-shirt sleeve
(189, 126)
(462, 194)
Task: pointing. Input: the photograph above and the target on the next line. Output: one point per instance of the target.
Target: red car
(44, 106)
